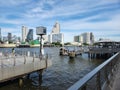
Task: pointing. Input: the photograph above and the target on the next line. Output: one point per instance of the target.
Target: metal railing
(100, 76)
(9, 58)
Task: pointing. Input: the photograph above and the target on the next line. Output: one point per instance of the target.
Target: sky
(101, 17)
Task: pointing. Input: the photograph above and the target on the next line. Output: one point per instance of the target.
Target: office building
(78, 38)
(56, 28)
(24, 33)
(56, 38)
(87, 38)
(0, 35)
(30, 35)
(9, 37)
(55, 35)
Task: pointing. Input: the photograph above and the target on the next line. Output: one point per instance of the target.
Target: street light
(41, 31)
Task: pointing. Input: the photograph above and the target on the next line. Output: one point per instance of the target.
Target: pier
(101, 78)
(19, 65)
(104, 52)
(71, 53)
(104, 49)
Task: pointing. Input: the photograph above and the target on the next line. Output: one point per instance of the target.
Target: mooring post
(20, 82)
(40, 76)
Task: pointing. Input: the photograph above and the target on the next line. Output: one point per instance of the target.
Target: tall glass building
(9, 37)
(30, 35)
(24, 33)
(0, 35)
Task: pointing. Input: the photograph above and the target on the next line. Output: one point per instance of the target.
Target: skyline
(101, 17)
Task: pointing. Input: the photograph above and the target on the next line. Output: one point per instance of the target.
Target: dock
(103, 53)
(71, 53)
(17, 66)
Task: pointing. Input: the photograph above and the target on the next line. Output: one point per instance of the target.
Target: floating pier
(71, 54)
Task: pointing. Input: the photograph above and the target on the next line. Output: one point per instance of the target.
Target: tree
(68, 43)
(86, 44)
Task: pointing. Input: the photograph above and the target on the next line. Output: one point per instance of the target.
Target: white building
(55, 35)
(87, 38)
(56, 28)
(24, 33)
(78, 38)
(56, 38)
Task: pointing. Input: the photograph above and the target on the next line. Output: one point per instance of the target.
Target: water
(62, 74)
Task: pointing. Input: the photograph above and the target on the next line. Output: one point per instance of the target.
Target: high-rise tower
(9, 37)
(30, 35)
(55, 35)
(24, 33)
(0, 35)
(56, 28)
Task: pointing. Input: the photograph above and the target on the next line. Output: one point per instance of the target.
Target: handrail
(86, 78)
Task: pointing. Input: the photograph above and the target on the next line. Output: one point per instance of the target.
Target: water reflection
(71, 61)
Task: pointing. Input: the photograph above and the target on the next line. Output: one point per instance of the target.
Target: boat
(63, 51)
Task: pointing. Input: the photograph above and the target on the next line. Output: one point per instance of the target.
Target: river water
(63, 73)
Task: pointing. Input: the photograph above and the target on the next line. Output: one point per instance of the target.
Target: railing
(12, 59)
(99, 77)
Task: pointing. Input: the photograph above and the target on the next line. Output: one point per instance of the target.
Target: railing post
(24, 59)
(111, 65)
(98, 81)
(106, 75)
(33, 57)
(14, 60)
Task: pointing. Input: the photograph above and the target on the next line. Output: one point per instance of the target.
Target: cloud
(10, 3)
(74, 15)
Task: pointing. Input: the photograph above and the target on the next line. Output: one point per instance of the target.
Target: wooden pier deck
(17, 66)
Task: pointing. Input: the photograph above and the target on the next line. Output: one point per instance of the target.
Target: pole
(40, 45)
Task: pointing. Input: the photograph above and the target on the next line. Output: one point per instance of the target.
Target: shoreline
(15, 46)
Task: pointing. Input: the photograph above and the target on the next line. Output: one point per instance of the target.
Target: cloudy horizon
(101, 17)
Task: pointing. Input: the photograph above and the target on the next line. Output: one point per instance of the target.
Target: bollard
(40, 76)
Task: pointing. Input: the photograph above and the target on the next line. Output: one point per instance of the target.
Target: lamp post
(41, 31)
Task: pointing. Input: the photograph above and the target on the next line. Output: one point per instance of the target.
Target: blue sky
(102, 17)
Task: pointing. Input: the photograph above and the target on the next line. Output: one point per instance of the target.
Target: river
(62, 74)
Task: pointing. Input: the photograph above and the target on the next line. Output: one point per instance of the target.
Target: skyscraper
(30, 35)
(87, 38)
(0, 35)
(55, 35)
(56, 28)
(9, 37)
(24, 33)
